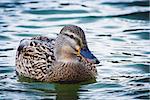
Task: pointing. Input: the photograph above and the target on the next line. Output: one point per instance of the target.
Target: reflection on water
(59, 91)
(67, 92)
(117, 32)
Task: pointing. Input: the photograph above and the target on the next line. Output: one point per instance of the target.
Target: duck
(64, 59)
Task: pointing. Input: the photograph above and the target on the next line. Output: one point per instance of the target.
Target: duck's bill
(86, 53)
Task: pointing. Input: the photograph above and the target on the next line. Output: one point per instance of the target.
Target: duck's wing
(34, 57)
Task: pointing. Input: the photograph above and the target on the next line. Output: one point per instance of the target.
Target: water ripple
(7, 49)
(126, 4)
(136, 15)
(47, 12)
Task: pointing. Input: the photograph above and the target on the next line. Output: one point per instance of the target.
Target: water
(117, 32)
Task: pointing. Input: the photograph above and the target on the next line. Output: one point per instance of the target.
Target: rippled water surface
(117, 32)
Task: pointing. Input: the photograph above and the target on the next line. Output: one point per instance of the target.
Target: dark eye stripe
(71, 36)
(75, 38)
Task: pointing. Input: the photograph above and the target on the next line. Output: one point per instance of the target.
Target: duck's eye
(71, 36)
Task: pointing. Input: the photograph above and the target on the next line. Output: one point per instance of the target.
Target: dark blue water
(117, 31)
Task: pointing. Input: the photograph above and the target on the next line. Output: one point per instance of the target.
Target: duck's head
(70, 44)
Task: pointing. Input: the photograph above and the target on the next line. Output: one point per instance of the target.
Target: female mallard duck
(65, 59)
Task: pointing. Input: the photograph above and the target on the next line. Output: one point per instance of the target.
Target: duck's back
(35, 57)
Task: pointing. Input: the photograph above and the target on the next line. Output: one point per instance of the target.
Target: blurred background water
(117, 31)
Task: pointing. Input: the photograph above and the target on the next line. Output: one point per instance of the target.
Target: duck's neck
(65, 54)
(67, 58)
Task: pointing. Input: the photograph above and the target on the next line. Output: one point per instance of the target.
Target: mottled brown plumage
(58, 60)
